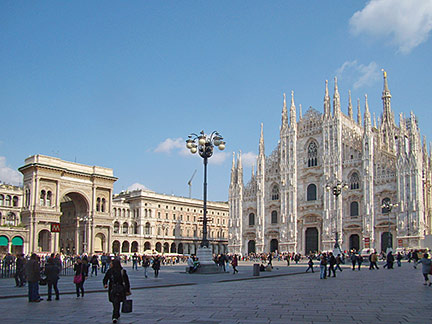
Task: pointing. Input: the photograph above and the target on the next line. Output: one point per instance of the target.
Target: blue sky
(121, 84)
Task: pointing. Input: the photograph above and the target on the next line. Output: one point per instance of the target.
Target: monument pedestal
(205, 259)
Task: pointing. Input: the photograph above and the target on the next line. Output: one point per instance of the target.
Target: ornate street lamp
(85, 219)
(336, 188)
(388, 206)
(204, 145)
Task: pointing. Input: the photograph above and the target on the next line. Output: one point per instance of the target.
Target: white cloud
(406, 22)
(359, 74)
(9, 175)
(218, 158)
(249, 159)
(137, 186)
(170, 144)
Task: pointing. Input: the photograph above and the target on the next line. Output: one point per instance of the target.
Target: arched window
(312, 153)
(49, 198)
(385, 210)
(1, 200)
(125, 228)
(275, 193)
(274, 218)
(10, 219)
(148, 229)
(355, 181)
(116, 227)
(15, 201)
(98, 204)
(42, 198)
(251, 219)
(135, 228)
(103, 206)
(354, 209)
(159, 231)
(311, 192)
(174, 232)
(27, 198)
(8, 200)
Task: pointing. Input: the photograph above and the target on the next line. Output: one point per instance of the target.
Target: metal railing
(8, 269)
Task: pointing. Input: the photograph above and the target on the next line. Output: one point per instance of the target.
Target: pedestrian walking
(156, 265)
(145, 264)
(19, 270)
(415, 258)
(135, 262)
(79, 278)
(94, 264)
(32, 270)
(338, 262)
(323, 266)
(390, 260)
(117, 282)
(426, 268)
(234, 264)
(310, 264)
(399, 259)
(332, 263)
(353, 260)
(104, 262)
(359, 261)
(373, 259)
(52, 272)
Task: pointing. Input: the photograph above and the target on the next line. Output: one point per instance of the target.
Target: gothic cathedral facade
(286, 205)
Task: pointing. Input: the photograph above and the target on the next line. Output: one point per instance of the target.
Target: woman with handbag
(79, 277)
(117, 282)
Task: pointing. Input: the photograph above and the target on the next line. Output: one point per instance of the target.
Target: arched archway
(354, 242)
(74, 225)
(99, 243)
(180, 248)
(134, 247)
(147, 246)
(166, 247)
(173, 248)
(159, 247)
(311, 240)
(274, 245)
(116, 247)
(386, 241)
(251, 246)
(44, 241)
(125, 247)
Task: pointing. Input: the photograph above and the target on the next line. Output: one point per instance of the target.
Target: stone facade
(286, 207)
(92, 219)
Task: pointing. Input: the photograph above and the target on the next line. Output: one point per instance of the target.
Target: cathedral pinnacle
(239, 161)
(358, 112)
(293, 118)
(284, 113)
(350, 110)
(261, 142)
(336, 98)
(327, 112)
(367, 116)
(300, 112)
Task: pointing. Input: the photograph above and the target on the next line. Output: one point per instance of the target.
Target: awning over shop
(17, 241)
(4, 241)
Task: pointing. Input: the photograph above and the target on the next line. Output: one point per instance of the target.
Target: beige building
(69, 207)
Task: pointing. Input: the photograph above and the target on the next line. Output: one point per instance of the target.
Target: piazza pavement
(285, 295)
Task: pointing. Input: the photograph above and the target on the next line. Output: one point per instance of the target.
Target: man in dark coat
(52, 275)
(332, 263)
(32, 270)
(19, 272)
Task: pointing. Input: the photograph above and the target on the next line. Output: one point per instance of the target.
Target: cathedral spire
(239, 162)
(350, 110)
(300, 112)
(284, 113)
(374, 120)
(358, 112)
(261, 142)
(293, 118)
(336, 99)
(387, 113)
(327, 112)
(367, 116)
(233, 171)
(402, 125)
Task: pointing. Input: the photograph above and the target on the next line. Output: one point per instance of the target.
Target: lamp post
(336, 188)
(85, 219)
(388, 206)
(204, 144)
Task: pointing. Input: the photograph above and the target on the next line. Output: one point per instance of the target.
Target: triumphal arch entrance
(67, 206)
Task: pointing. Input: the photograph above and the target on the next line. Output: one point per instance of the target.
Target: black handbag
(127, 306)
(43, 282)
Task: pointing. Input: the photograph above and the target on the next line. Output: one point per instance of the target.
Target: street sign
(55, 227)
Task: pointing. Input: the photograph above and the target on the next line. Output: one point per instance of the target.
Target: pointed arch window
(311, 193)
(274, 217)
(354, 209)
(312, 153)
(275, 193)
(251, 219)
(355, 181)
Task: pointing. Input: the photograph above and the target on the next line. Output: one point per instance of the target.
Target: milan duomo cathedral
(385, 170)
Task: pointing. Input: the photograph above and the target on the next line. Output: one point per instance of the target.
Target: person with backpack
(117, 282)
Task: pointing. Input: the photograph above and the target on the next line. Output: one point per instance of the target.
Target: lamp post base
(205, 259)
